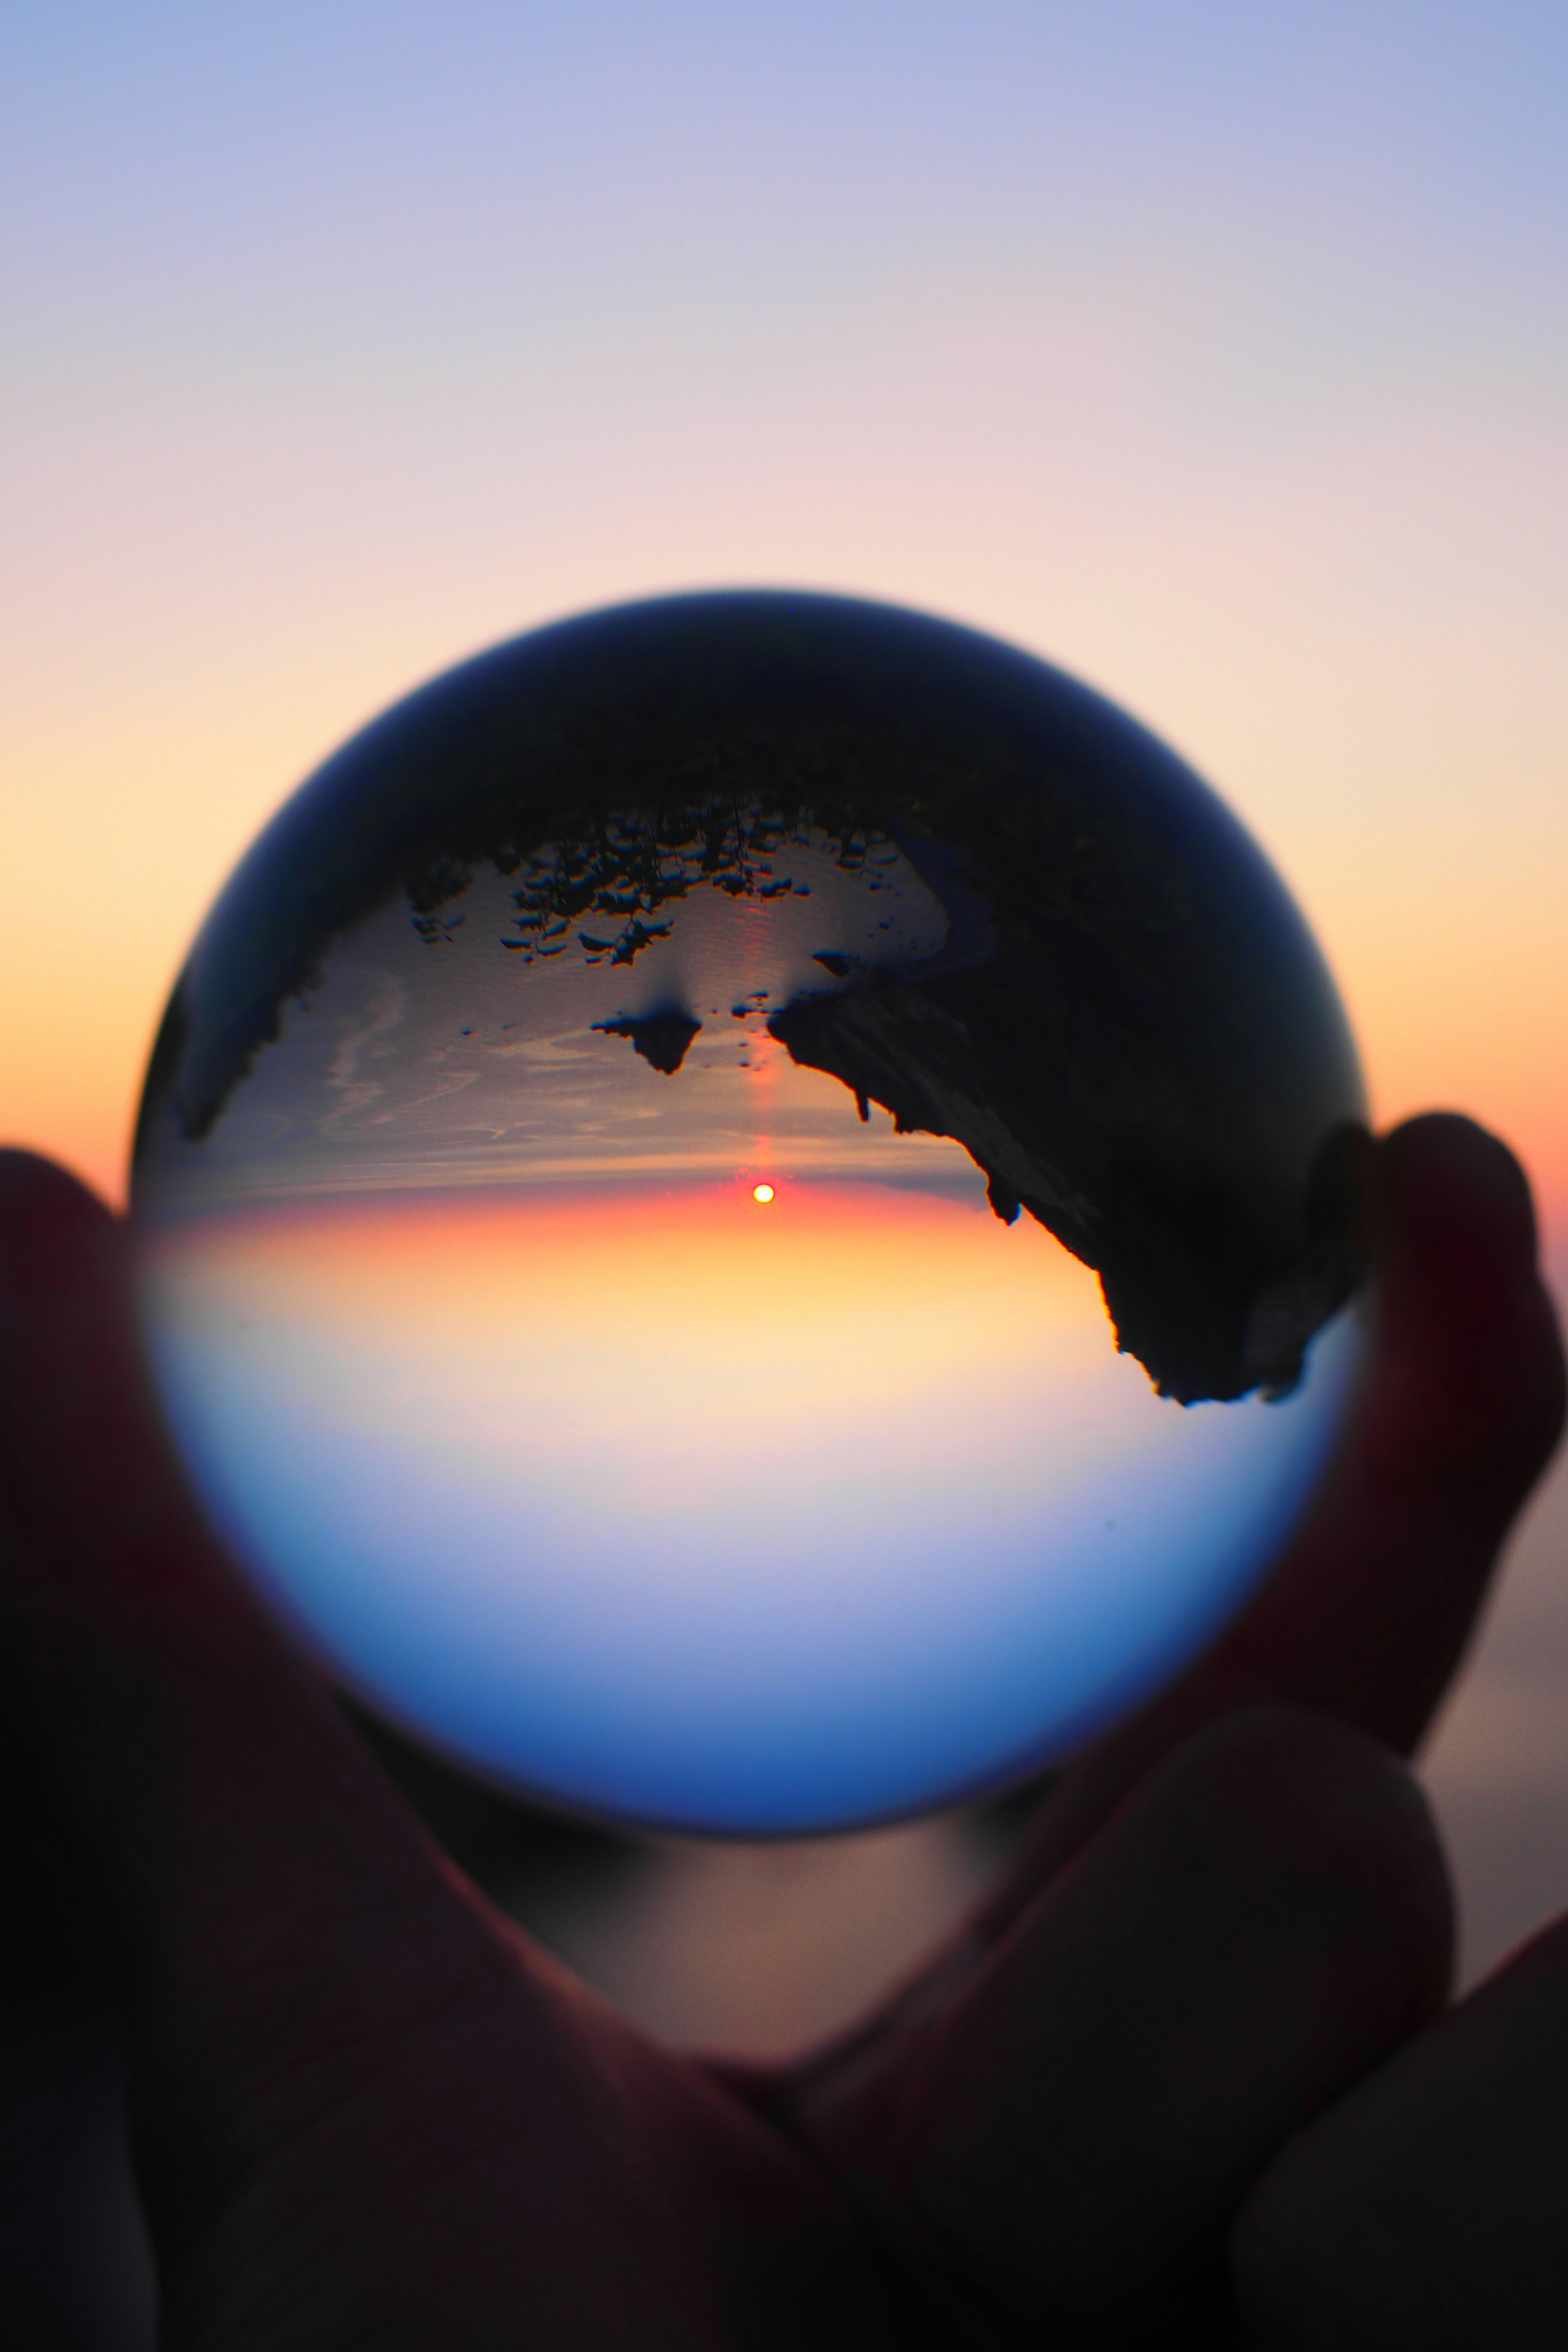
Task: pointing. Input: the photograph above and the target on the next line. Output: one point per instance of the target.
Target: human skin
(1186, 2079)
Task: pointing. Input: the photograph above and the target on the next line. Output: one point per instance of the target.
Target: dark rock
(661, 1038)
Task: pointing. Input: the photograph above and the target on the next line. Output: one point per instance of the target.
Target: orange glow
(677, 1314)
(792, 1296)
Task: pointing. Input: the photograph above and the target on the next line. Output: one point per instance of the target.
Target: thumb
(362, 2094)
(148, 1679)
(285, 1930)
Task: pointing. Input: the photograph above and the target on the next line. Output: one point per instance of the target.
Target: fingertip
(1331, 1808)
(1423, 2211)
(1261, 1922)
(1467, 1376)
(1441, 1179)
(1275, 1795)
(61, 1265)
(1452, 1140)
(35, 1192)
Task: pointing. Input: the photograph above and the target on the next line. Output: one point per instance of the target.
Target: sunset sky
(1214, 351)
(716, 1510)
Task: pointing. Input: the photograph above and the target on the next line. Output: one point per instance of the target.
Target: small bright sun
(761, 1192)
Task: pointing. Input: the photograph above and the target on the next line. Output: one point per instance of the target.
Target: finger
(356, 2082)
(271, 1892)
(1265, 1919)
(1368, 1611)
(190, 1743)
(1428, 2211)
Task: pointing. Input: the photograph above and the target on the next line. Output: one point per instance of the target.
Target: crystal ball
(746, 1214)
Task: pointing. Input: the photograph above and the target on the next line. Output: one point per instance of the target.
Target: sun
(763, 1192)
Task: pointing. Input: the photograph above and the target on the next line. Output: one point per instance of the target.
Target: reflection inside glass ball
(746, 1214)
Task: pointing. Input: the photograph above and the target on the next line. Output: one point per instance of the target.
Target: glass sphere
(746, 1214)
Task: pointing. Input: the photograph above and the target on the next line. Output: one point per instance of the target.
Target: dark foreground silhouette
(1186, 2080)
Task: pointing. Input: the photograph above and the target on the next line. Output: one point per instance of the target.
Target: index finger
(1369, 1610)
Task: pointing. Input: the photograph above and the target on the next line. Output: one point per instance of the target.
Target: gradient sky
(1214, 351)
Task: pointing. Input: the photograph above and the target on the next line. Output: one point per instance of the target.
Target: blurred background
(1216, 351)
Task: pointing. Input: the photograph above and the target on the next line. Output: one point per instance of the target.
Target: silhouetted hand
(367, 2112)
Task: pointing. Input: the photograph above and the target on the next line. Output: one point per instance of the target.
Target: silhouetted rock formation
(659, 1037)
(1211, 1300)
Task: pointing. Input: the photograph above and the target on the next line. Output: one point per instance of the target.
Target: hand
(367, 2112)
